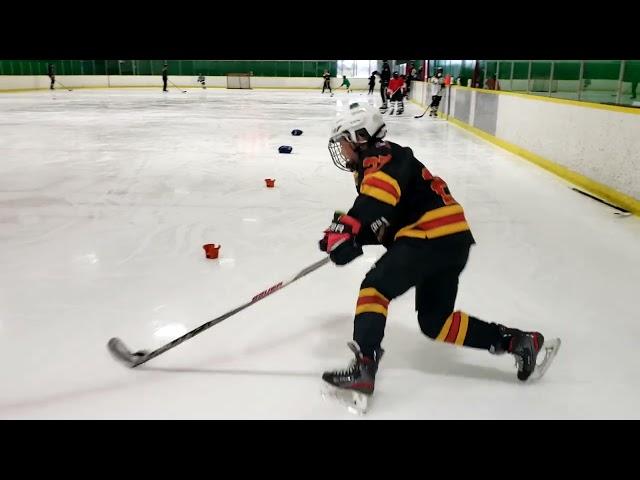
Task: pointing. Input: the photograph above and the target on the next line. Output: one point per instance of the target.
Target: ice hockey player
(345, 83)
(403, 206)
(372, 83)
(165, 77)
(437, 89)
(385, 77)
(395, 92)
(51, 73)
(202, 81)
(407, 81)
(327, 81)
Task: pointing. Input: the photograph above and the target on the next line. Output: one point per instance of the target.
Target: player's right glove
(339, 239)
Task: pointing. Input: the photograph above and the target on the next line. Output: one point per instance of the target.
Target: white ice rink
(106, 198)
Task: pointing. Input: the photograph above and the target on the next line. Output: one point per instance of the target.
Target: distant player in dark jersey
(372, 83)
(327, 81)
(385, 78)
(165, 77)
(51, 73)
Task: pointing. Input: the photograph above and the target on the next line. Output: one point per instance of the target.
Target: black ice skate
(525, 347)
(354, 385)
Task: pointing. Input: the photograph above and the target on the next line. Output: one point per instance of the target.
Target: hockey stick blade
(121, 353)
(420, 116)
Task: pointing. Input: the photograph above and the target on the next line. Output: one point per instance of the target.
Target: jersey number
(373, 164)
(439, 186)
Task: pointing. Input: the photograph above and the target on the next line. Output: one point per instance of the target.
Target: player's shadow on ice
(270, 345)
(407, 348)
(214, 371)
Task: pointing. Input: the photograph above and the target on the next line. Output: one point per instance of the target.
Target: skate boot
(354, 385)
(525, 347)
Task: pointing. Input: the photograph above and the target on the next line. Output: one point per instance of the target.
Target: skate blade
(550, 348)
(356, 403)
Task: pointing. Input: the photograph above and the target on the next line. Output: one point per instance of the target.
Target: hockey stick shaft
(183, 91)
(389, 96)
(58, 82)
(223, 317)
(395, 91)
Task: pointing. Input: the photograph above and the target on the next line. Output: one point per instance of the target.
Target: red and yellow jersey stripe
(371, 300)
(382, 187)
(454, 329)
(437, 223)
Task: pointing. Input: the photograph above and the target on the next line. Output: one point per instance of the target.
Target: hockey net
(239, 80)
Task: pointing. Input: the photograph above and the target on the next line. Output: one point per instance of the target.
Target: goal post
(239, 80)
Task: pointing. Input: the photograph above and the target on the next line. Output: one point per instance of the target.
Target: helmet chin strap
(352, 165)
(375, 134)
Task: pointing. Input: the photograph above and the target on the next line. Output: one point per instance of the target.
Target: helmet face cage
(358, 138)
(339, 160)
(358, 130)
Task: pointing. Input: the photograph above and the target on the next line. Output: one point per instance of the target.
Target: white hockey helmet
(360, 125)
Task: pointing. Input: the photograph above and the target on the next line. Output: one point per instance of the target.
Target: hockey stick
(423, 113)
(57, 81)
(132, 360)
(621, 211)
(183, 91)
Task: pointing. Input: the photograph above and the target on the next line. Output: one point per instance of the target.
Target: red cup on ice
(211, 250)
(271, 182)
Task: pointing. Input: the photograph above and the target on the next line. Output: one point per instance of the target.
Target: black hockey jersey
(398, 197)
(385, 76)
